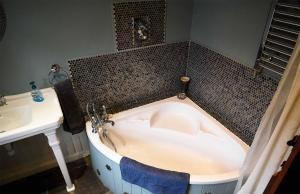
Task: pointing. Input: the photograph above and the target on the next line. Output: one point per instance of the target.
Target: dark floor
(87, 184)
(52, 182)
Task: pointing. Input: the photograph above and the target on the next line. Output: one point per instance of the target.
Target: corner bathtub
(170, 134)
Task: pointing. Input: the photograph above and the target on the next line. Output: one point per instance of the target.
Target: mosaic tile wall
(2, 21)
(125, 11)
(130, 78)
(228, 91)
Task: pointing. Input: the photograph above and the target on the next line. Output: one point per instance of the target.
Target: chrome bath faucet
(98, 123)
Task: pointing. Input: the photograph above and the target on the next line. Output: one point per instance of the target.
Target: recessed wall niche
(139, 23)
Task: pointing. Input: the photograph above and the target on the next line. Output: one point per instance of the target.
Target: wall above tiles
(233, 28)
(139, 23)
(57, 31)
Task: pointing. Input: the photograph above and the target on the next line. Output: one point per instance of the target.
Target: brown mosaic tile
(130, 78)
(228, 90)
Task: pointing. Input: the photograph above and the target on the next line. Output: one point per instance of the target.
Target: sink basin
(15, 117)
(22, 117)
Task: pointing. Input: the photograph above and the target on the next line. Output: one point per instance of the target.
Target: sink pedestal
(54, 144)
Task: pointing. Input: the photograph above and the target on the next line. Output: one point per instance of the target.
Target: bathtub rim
(194, 179)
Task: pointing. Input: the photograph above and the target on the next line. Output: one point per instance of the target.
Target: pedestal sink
(22, 118)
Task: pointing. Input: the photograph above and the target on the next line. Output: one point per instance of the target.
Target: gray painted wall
(179, 20)
(233, 28)
(43, 32)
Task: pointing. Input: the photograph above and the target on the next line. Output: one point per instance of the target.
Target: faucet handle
(93, 115)
(104, 108)
(104, 112)
(94, 122)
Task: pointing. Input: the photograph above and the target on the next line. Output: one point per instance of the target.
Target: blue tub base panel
(110, 175)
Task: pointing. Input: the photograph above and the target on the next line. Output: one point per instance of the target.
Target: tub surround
(224, 88)
(228, 90)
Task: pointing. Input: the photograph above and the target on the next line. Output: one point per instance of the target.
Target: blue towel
(153, 179)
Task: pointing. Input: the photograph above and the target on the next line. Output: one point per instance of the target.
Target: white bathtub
(170, 134)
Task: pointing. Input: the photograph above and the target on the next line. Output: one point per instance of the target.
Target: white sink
(22, 117)
(12, 118)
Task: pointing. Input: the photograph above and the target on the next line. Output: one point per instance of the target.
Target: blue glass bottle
(36, 94)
